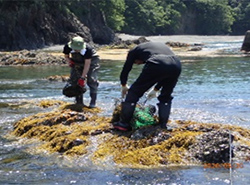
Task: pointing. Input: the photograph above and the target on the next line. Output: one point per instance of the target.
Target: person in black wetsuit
(84, 63)
(162, 69)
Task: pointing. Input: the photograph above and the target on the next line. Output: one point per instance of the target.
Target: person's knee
(132, 97)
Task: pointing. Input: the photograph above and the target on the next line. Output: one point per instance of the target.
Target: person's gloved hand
(71, 63)
(124, 90)
(152, 94)
(81, 82)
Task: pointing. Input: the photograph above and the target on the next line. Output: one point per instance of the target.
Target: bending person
(162, 69)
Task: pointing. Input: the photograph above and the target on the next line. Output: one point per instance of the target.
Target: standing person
(162, 69)
(84, 63)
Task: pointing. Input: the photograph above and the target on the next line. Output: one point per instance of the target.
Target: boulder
(246, 43)
(25, 57)
(213, 147)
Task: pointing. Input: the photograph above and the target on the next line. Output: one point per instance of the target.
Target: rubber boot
(93, 97)
(79, 99)
(164, 112)
(127, 112)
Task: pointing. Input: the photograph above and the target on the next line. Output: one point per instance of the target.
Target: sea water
(210, 90)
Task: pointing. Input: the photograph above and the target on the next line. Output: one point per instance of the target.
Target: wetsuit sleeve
(127, 68)
(66, 49)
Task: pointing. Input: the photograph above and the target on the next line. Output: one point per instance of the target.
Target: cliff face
(96, 23)
(32, 27)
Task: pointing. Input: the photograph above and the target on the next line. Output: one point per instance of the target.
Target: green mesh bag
(143, 116)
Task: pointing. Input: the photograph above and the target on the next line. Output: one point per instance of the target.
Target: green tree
(152, 16)
(113, 10)
(213, 17)
(174, 10)
(242, 14)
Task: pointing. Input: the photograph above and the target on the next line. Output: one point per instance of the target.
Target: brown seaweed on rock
(72, 130)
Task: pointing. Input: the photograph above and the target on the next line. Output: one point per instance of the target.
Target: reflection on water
(214, 90)
(218, 87)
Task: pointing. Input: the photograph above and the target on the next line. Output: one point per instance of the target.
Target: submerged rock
(60, 78)
(75, 130)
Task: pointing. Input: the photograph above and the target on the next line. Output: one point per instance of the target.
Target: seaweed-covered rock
(75, 130)
(25, 57)
(177, 44)
(60, 78)
(119, 43)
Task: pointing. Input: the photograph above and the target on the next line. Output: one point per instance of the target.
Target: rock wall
(34, 26)
(96, 23)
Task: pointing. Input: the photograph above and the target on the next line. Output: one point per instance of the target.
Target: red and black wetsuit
(79, 59)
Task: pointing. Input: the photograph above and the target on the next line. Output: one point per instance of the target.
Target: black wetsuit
(162, 69)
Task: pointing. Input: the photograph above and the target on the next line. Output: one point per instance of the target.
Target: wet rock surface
(58, 78)
(213, 147)
(246, 43)
(72, 130)
(26, 57)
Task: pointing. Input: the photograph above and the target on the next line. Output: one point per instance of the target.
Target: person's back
(162, 69)
(145, 50)
(152, 48)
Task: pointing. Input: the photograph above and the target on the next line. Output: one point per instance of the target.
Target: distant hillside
(31, 24)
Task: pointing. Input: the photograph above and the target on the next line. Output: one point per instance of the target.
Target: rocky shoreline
(116, 51)
(25, 57)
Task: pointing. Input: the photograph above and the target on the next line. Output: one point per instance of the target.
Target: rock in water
(246, 44)
(213, 147)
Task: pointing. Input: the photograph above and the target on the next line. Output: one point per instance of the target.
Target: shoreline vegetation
(118, 51)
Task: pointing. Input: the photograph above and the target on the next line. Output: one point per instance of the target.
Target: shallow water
(210, 90)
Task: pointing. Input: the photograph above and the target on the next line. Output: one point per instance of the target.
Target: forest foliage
(153, 17)
(150, 17)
